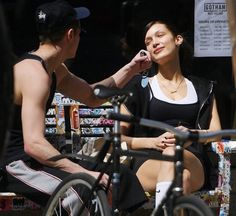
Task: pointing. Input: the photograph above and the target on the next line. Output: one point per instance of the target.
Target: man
(36, 77)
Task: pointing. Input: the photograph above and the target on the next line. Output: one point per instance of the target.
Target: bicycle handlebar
(182, 135)
(104, 92)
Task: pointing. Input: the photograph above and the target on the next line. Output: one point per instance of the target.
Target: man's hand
(141, 62)
(104, 179)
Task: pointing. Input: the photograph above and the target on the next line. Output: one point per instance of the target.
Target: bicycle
(178, 204)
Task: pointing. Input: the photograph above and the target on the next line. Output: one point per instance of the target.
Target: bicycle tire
(97, 205)
(190, 206)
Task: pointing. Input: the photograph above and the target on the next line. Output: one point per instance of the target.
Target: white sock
(161, 189)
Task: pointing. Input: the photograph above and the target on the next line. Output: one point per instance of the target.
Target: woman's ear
(179, 40)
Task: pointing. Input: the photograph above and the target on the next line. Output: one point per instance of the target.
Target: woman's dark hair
(185, 51)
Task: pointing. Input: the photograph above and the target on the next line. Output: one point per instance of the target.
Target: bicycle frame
(116, 157)
(176, 188)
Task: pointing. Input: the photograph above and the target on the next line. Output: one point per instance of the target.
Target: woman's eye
(147, 43)
(160, 35)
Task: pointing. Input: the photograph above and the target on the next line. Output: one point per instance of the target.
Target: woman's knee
(166, 171)
(166, 165)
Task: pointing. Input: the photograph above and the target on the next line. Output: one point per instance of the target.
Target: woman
(171, 97)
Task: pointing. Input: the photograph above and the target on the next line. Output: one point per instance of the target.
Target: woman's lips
(158, 50)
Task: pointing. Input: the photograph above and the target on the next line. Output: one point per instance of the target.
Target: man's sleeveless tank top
(15, 147)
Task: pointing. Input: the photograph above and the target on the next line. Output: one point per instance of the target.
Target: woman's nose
(155, 42)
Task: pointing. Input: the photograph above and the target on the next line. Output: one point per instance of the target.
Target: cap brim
(82, 12)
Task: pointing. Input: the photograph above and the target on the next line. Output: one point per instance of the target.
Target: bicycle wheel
(190, 206)
(68, 197)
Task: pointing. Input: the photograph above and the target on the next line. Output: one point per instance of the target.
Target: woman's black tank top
(175, 115)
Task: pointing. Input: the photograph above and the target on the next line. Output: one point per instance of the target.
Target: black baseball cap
(57, 16)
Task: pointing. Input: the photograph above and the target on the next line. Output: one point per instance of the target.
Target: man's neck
(51, 54)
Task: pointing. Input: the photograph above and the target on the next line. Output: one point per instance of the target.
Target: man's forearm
(119, 79)
(42, 152)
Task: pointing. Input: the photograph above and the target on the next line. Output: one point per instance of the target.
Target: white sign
(211, 32)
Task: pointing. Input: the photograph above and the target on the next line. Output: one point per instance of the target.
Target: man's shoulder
(29, 66)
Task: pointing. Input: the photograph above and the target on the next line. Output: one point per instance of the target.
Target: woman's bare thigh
(195, 168)
(147, 175)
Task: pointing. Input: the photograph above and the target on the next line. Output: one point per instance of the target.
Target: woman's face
(162, 44)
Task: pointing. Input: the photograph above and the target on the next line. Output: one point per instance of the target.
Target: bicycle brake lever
(121, 117)
(105, 92)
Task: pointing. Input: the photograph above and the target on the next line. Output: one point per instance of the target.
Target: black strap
(150, 88)
(28, 55)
